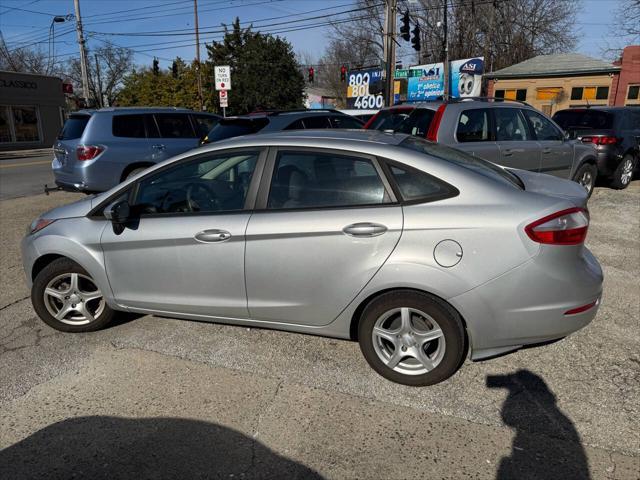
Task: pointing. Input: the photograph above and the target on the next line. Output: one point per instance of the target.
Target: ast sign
(223, 77)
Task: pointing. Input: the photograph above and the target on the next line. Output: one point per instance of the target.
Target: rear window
(462, 159)
(74, 127)
(584, 119)
(418, 122)
(129, 126)
(389, 119)
(235, 128)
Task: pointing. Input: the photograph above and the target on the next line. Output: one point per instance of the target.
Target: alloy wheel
(627, 172)
(586, 180)
(408, 341)
(74, 299)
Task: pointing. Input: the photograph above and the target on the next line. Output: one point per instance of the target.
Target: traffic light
(405, 28)
(156, 66)
(311, 73)
(343, 73)
(415, 41)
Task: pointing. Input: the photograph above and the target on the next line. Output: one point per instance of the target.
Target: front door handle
(364, 229)
(546, 151)
(212, 236)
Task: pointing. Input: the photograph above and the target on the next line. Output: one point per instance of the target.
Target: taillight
(432, 133)
(88, 152)
(604, 140)
(567, 227)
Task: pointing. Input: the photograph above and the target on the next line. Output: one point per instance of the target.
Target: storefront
(31, 110)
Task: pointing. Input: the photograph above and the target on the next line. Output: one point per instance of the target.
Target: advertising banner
(426, 82)
(365, 89)
(466, 77)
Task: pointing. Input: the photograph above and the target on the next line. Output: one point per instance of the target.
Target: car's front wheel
(586, 176)
(623, 174)
(66, 298)
(412, 338)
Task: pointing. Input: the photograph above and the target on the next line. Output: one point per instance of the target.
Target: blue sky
(130, 16)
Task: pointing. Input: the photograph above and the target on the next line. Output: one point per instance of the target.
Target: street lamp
(52, 37)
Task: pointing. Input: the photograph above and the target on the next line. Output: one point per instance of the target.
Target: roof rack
(485, 99)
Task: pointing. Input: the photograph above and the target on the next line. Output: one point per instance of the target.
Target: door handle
(212, 236)
(546, 150)
(158, 147)
(507, 152)
(364, 229)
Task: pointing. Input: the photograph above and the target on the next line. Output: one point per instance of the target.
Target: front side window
(473, 126)
(390, 119)
(210, 184)
(174, 125)
(297, 125)
(317, 122)
(345, 121)
(315, 180)
(510, 125)
(542, 127)
(25, 124)
(236, 127)
(204, 123)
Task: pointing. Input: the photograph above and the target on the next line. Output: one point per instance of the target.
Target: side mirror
(118, 212)
(567, 136)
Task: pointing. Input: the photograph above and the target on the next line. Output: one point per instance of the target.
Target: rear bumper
(91, 176)
(529, 304)
(608, 157)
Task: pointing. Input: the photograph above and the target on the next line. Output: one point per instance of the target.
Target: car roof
(139, 110)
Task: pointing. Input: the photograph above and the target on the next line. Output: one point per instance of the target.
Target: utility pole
(391, 9)
(83, 53)
(195, 11)
(100, 97)
(445, 47)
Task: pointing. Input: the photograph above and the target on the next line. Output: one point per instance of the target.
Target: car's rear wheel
(66, 298)
(586, 176)
(624, 173)
(411, 338)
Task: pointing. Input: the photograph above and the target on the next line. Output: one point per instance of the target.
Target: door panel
(517, 147)
(176, 135)
(161, 265)
(556, 154)
(301, 266)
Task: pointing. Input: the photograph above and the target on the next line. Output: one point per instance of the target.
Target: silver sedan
(423, 254)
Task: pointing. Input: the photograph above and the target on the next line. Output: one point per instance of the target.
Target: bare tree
(625, 30)
(24, 60)
(112, 63)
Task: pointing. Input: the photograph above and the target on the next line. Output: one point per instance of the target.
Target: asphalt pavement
(155, 397)
(23, 174)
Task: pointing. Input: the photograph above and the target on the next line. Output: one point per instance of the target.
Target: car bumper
(90, 176)
(608, 158)
(530, 304)
(29, 254)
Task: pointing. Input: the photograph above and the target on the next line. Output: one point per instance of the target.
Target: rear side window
(174, 125)
(235, 128)
(389, 119)
(316, 122)
(584, 119)
(416, 185)
(344, 121)
(297, 125)
(473, 126)
(315, 180)
(130, 126)
(418, 122)
(74, 127)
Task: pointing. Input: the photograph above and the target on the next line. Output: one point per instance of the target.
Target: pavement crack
(256, 429)
(14, 302)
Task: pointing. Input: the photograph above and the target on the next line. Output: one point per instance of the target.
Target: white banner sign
(223, 77)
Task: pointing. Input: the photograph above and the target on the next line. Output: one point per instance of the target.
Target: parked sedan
(422, 253)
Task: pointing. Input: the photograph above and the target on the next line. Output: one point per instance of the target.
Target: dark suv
(267, 122)
(615, 134)
(508, 133)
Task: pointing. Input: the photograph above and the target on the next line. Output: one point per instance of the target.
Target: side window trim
(387, 164)
(262, 198)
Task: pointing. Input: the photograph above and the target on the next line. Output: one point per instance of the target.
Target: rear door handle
(364, 229)
(212, 236)
(158, 147)
(546, 150)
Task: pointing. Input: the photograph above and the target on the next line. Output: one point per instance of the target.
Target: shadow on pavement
(100, 447)
(546, 444)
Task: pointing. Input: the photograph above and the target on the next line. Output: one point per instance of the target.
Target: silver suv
(97, 149)
(508, 133)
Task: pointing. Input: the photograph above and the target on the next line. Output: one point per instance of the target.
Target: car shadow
(546, 444)
(103, 447)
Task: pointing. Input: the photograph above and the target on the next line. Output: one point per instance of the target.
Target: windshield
(389, 119)
(584, 119)
(417, 123)
(462, 159)
(74, 127)
(235, 128)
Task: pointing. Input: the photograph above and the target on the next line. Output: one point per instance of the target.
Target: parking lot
(182, 399)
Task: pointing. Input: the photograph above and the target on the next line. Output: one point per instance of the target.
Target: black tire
(587, 173)
(623, 174)
(133, 172)
(446, 317)
(55, 269)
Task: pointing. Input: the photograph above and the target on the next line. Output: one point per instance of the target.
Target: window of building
(633, 92)
(499, 94)
(576, 93)
(548, 93)
(5, 124)
(512, 94)
(25, 124)
(521, 94)
(602, 93)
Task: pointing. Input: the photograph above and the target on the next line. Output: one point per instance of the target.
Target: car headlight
(38, 224)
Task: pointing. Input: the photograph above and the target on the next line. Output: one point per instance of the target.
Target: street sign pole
(222, 75)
